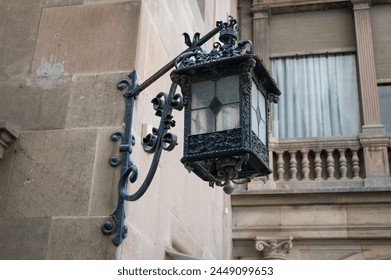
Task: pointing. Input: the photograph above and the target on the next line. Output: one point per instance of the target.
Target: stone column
(261, 16)
(366, 67)
(273, 247)
(373, 138)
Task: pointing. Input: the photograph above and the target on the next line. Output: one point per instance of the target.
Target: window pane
(385, 105)
(319, 96)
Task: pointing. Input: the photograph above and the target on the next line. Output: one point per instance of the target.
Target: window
(319, 96)
(385, 105)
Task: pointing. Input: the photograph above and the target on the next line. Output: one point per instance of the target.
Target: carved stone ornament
(273, 248)
(7, 136)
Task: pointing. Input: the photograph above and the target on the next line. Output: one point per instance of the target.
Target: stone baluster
(280, 165)
(293, 166)
(355, 165)
(305, 165)
(330, 165)
(343, 164)
(318, 166)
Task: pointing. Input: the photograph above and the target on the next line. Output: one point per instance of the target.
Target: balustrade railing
(317, 159)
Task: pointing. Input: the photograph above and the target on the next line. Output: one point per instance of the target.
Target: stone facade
(60, 61)
(330, 194)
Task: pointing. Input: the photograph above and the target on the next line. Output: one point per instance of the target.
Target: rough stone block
(19, 21)
(256, 217)
(95, 101)
(105, 180)
(23, 238)
(87, 39)
(79, 238)
(52, 174)
(35, 103)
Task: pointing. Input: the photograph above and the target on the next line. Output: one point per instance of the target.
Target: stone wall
(60, 61)
(328, 196)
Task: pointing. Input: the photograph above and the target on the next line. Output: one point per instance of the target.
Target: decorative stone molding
(273, 247)
(366, 67)
(7, 136)
(375, 148)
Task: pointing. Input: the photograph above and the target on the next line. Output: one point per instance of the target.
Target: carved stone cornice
(361, 4)
(273, 247)
(7, 136)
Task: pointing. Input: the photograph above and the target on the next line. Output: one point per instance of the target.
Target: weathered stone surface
(95, 101)
(35, 103)
(105, 178)
(74, 238)
(24, 238)
(19, 24)
(52, 173)
(87, 39)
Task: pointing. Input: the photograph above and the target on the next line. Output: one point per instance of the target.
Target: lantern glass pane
(202, 121)
(202, 94)
(258, 113)
(227, 89)
(228, 117)
(262, 123)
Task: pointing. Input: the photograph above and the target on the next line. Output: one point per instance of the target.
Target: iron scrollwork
(154, 143)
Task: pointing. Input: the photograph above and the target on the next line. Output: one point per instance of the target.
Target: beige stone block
(376, 251)
(131, 245)
(87, 39)
(249, 217)
(19, 24)
(313, 215)
(370, 214)
(52, 173)
(94, 101)
(35, 103)
(105, 178)
(183, 241)
(311, 31)
(76, 238)
(380, 20)
(326, 251)
(24, 238)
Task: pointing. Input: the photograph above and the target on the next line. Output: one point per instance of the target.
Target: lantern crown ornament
(227, 94)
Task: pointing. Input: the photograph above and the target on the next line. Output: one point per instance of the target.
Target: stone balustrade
(317, 159)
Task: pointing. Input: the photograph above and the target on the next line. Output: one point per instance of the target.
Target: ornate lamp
(226, 94)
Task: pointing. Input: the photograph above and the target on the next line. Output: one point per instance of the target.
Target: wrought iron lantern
(227, 94)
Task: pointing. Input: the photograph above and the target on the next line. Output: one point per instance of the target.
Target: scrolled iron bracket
(156, 141)
(159, 139)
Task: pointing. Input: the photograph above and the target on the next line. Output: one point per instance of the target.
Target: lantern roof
(191, 63)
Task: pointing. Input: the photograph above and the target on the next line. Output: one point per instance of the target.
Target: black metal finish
(156, 141)
(235, 155)
(224, 157)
